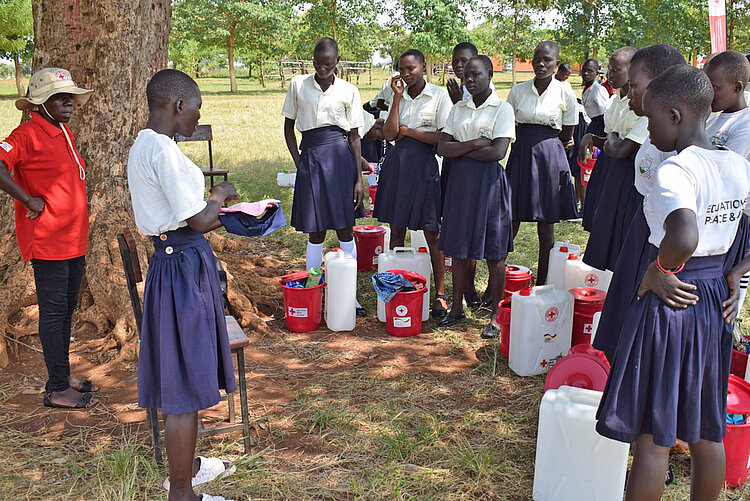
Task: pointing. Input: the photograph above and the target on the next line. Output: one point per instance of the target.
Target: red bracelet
(664, 270)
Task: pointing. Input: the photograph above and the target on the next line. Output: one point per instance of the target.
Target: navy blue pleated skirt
(445, 172)
(184, 357)
(670, 368)
(578, 132)
(618, 203)
(324, 189)
(596, 185)
(539, 176)
(596, 126)
(409, 187)
(477, 214)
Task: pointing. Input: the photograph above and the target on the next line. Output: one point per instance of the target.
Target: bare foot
(69, 398)
(185, 495)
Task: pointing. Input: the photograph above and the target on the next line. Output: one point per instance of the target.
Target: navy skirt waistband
(543, 131)
(176, 240)
(416, 144)
(322, 136)
(698, 267)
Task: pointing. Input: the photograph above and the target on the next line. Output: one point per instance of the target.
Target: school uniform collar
(39, 121)
(318, 87)
(427, 91)
(492, 100)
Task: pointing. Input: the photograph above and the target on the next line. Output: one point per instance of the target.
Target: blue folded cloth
(247, 225)
(735, 418)
(389, 284)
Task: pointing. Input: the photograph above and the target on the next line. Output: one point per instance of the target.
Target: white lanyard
(81, 171)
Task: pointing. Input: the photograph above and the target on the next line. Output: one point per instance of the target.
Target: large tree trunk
(112, 47)
(17, 69)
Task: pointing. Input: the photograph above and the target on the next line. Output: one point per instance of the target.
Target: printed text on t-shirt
(724, 212)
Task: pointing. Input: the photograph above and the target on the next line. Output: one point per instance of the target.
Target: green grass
(391, 433)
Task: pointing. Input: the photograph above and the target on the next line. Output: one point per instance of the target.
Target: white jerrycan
(579, 274)
(541, 328)
(341, 290)
(417, 239)
(574, 462)
(557, 257)
(386, 238)
(286, 179)
(595, 325)
(400, 258)
(424, 268)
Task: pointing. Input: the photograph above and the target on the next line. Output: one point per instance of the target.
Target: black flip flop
(86, 387)
(83, 402)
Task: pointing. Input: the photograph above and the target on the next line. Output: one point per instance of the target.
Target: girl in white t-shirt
(184, 356)
(541, 185)
(328, 190)
(477, 217)
(594, 97)
(409, 182)
(668, 379)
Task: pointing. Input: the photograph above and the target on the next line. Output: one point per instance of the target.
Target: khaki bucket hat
(48, 82)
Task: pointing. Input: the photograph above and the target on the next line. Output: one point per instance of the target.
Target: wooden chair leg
(152, 419)
(230, 404)
(243, 399)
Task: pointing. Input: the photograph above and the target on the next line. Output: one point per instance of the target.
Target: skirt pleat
(184, 354)
(324, 188)
(409, 187)
(477, 214)
(539, 176)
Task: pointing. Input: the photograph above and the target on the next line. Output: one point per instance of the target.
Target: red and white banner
(717, 20)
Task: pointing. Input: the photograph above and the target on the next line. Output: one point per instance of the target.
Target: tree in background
(738, 25)
(16, 34)
(228, 24)
(581, 26)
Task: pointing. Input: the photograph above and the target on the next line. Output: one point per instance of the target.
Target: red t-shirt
(44, 166)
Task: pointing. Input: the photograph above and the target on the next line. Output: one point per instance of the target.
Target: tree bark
(17, 69)
(114, 48)
(230, 55)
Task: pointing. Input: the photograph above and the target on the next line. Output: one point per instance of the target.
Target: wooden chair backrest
(133, 275)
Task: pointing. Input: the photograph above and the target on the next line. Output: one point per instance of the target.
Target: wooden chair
(237, 343)
(203, 133)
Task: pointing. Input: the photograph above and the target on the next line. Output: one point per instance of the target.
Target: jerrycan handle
(409, 250)
(590, 397)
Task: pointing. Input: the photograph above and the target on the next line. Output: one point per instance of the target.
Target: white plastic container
(341, 290)
(387, 238)
(595, 325)
(286, 178)
(400, 258)
(574, 462)
(541, 328)
(425, 269)
(418, 240)
(557, 257)
(579, 274)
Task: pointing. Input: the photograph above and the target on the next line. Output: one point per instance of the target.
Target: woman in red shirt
(51, 214)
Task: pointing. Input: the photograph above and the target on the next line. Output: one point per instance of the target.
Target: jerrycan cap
(564, 249)
(423, 250)
(336, 249)
(572, 257)
(525, 292)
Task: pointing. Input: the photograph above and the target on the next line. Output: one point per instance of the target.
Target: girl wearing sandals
(52, 221)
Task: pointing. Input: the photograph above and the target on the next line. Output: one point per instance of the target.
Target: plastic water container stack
(341, 290)
(400, 258)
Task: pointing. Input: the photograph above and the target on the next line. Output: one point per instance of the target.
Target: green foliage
(738, 25)
(433, 26)
(581, 27)
(16, 28)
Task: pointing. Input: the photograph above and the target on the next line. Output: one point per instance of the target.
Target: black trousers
(57, 286)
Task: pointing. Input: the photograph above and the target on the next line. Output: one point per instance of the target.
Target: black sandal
(87, 386)
(474, 301)
(83, 402)
(439, 313)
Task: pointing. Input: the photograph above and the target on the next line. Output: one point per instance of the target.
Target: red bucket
(517, 278)
(403, 313)
(587, 168)
(372, 190)
(370, 240)
(302, 306)
(737, 441)
(587, 302)
(503, 320)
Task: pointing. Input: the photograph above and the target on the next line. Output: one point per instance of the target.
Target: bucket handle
(409, 250)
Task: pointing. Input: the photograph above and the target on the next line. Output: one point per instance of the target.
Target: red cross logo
(592, 280)
(551, 314)
(543, 363)
(61, 76)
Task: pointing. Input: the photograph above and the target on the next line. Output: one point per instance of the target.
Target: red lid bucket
(737, 441)
(403, 313)
(583, 367)
(372, 191)
(517, 278)
(587, 167)
(587, 302)
(302, 306)
(370, 241)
